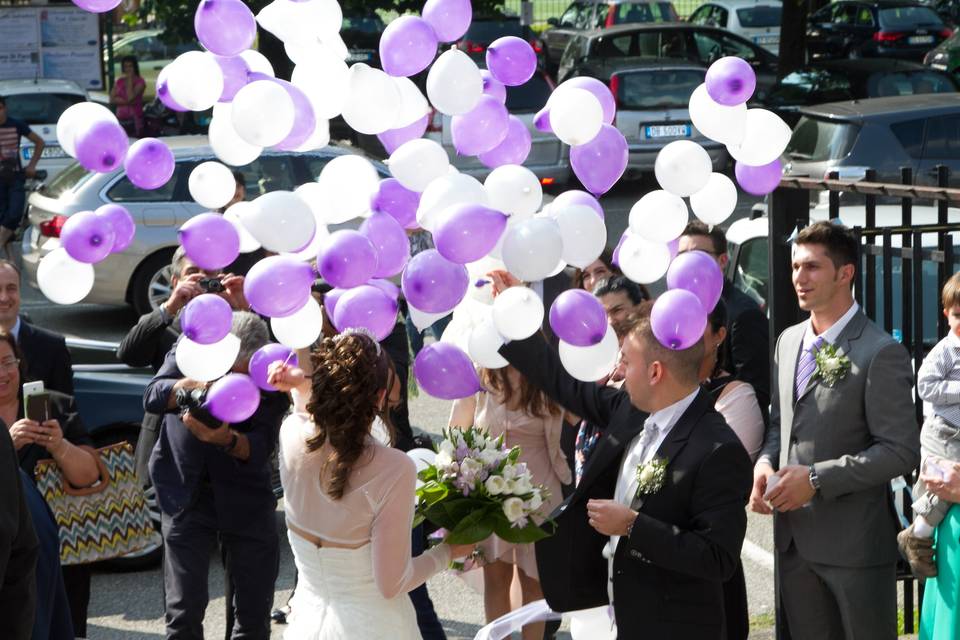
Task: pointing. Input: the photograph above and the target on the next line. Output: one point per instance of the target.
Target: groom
(675, 541)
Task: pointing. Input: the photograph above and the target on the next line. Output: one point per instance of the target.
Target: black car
(483, 31)
(600, 52)
(838, 80)
(877, 29)
(361, 34)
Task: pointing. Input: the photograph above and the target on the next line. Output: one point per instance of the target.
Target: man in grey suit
(842, 425)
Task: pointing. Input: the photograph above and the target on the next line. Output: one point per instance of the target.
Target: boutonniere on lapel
(650, 476)
(832, 365)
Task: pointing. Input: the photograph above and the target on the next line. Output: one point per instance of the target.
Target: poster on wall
(51, 42)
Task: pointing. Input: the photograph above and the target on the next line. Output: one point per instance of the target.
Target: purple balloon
(393, 139)
(600, 91)
(224, 27)
(265, 356)
(578, 318)
(122, 224)
(102, 146)
(330, 300)
(514, 149)
(467, 232)
(600, 163)
(278, 286)
(304, 121)
(369, 307)
(511, 60)
(235, 75)
(615, 258)
(393, 198)
(541, 121)
(445, 372)
(347, 259)
(481, 129)
(87, 237)
(390, 241)
(163, 92)
(149, 163)
(493, 87)
(387, 287)
(432, 283)
(210, 241)
(407, 46)
(234, 398)
(678, 319)
(206, 319)
(97, 6)
(575, 196)
(674, 248)
(759, 181)
(730, 81)
(449, 18)
(698, 273)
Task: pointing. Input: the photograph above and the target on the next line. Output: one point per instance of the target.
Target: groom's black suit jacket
(668, 575)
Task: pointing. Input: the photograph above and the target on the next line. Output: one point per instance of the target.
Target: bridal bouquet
(476, 487)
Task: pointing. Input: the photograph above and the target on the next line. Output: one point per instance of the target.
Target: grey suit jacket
(859, 434)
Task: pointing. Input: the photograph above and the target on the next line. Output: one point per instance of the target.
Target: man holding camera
(214, 480)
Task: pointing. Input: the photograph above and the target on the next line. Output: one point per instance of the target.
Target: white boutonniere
(650, 476)
(832, 365)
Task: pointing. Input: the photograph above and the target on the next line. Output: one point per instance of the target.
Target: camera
(211, 285)
(192, 400)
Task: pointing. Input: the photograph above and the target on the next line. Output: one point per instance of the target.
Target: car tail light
(547, 181)
(51, 228)
(473, 47)
(615, 90)
(537, 46)
(435, 123)
(888, 36)
(946, 32)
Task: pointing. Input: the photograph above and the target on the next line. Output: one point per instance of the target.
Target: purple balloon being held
(387, 287)
(264, 357)
(481, 129)
(390, 241)
(149, 163)
(97, 6)
(541, 121)
(330, 300)
(511, 60)
(234, 398)
(369, 307)
(206, 319)
(393, 198)
(678, 319)
(698, 273)
(87, 237)
(120, 220)
(407, 46)
(393, 139)
(304, 121)
(163, 92)
(236, 73)
(347, 259)
(445, 372)
(575, 196)
(210, 241)
(467, 232)
(578, 318)
(432, 283)
(513, 150)
(278, 286)
(600, 162)
(615, 258)
(493, 87)
(730, 81)
(224, 27)
(449, 18)
(600, 91)
(102, 146)
(759, 181)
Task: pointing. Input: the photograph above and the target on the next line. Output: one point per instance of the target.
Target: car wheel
(151, 283)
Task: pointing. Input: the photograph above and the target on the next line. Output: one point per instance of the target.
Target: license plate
(360, 56)
(920, 40)
(939, 67)
(766, 39)
(48, 152)
(667, 131)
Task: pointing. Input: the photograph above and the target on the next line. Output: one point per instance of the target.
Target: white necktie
(650, 432)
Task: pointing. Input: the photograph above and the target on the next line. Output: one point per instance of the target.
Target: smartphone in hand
(36, 402)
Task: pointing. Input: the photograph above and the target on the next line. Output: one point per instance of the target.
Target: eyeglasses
(9, 365)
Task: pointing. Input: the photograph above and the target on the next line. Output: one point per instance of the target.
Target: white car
(39, 104)
(756, 20)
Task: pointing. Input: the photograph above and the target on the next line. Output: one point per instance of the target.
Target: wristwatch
(814, 478)
(233, 443)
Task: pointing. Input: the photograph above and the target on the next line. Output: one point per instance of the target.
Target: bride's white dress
(360, 593)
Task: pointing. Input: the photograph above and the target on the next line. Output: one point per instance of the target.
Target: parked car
(875, 29)
(920, 132)
(598, 53)
(652, 111)
(949, 10)
(946, 55)
(755, 20)
(483, 31)
(361, 34)
(588, 15)
(837, 80)
(139, 275)
(152, 54)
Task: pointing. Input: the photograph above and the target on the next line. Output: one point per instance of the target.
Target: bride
(348, 501)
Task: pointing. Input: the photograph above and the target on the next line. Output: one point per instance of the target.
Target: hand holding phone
(36, 402)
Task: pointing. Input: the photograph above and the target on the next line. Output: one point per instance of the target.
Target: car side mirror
(553, 22)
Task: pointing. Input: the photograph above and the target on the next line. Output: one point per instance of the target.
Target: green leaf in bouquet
(418, 519)
(427, 474)
(432, 492)
(476, 527)
(449, 513)
(518, 535)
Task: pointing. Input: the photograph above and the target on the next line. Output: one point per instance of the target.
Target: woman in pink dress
(510, 405)
(127, 94)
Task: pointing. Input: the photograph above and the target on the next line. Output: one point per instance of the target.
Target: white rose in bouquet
(470, 467)
(508, 486)
(443, 459)
(495, 485)
(522, 485)
(509, 471)
(535, 501)
(490, 457)
(447, 447)
(513, 509)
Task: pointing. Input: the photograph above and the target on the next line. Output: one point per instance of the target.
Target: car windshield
(818, 140)
(903, 18)
(657, 89)
(759, 17)
(907, 84)
(530, 96)
(627, 12)
(361, 31)
(67, 180)
(490, 30)
(810, 86)
(40, 108)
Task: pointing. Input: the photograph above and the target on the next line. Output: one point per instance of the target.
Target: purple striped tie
(807, 365)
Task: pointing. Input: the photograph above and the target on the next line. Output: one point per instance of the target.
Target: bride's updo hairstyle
(350, 372)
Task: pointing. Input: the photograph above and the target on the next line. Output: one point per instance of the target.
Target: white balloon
(348, 181)
(413, 104)
(659, 216)
(212, 185)
(62, 279)
(281, 221)
(583, 232)
(589, 364)
(226, 143)
(575, 116)
(251, 106)
(417, 163)
(643, 261)
(484, 343)
(76, 118)
(716, 121)
(453, 188)
(532, 248)
(313, 194)
(766, 138)
(234, 214)
(423, 319)
(337, 46)
(517, 313)
(195, 80)
(373, 100)
(478, 275)
(454, 83)
(514, 190)
(318, 139)
(258, 62)
(302, 328)
(593, 624)
(325, 79)
(716, 201)
(683, 167)
(423, 458)
(301, 21)
(206, 362)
